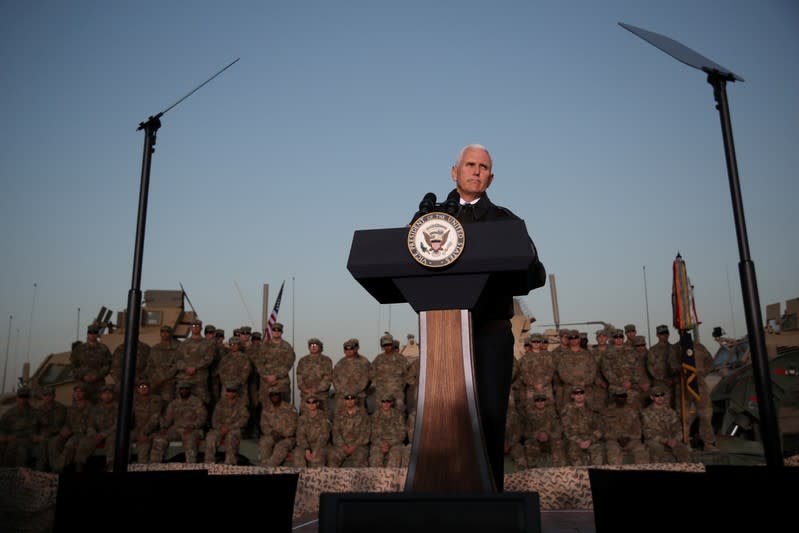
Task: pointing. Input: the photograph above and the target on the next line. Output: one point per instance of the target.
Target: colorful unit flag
(685, 319)
(273, 315)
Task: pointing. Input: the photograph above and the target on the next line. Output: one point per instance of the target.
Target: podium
(448, 453)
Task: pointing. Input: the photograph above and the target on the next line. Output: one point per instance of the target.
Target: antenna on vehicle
(185, 295)
(121, 449)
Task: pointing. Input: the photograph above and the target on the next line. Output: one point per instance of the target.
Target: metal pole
(553, 291)
(646, 303)
(8, 347)
(772, 447)
(77, 326)
(122, 448)
(30, 325)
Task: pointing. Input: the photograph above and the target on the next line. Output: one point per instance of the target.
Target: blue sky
(340, 116)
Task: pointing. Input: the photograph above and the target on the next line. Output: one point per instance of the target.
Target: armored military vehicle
(160, 307)
(735, 406)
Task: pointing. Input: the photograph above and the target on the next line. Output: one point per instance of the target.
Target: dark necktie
(466, 213)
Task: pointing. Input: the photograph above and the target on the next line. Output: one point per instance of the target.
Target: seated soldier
(313, 435)
(184, 420)
(229, 418)
(350, 435)
(661, 428)
(278, 429)
(17, 428)
(387, 435)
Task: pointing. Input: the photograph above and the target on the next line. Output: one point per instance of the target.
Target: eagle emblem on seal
(436, 239)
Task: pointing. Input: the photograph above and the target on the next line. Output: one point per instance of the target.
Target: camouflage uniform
(91, 363)
(52, 416)
(388, 437)
(63, 448)
(543, 436)
(575, 367)
(235, 367)
(536, 372)
(387, 374)
(350, 429)
(661, 425)
(274, 359)
(146, 418)
(704, 407)
(17, 427)
(661, 362)
(412, 375)
(622, 427)
(644, 380)
(514, 432)
(582, 424)
(162, 369)
(599, 397)
(184, 419)
(351, 376)
(142, 358)
(230, 416)
(102, 430)
(313, 436)
(620, 368)
(278, 430)
(410, 425)
(194, 358)
(314, 376)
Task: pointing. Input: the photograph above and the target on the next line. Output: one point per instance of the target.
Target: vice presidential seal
(436, 239)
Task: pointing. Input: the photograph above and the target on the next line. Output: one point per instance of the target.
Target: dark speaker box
(185, 500)
(400, 512)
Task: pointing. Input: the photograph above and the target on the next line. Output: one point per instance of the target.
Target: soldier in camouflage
(184, 420)
(662, 362)
(235, 366)
(575, 367)
(313, 436)
(146, 419)
(314, 375)
(229, 418)
(543, 434)
(387, 435)
(387, 373)
(661, 429)
(162, 367)
(63, 447)
(622, 432)
(142, 359)
(91, 363)
(101, 431)
(412, 375)
(273, 363)
(582, 430)
(620, 368)
(350, 435)
(278, 430)
(52, 416)
(704, 408)
(514, 432)
(536, 372)
(194, 359)
(351, 375)
(644, 380)
(17, 428)
(599, 397)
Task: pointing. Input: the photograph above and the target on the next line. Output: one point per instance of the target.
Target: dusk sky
(341, 115)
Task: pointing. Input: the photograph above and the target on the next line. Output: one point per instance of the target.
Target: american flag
(273, 315)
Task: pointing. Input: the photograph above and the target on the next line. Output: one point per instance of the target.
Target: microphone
(427, 204)
(452, 203)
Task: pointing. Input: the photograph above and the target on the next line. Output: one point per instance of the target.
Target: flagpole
(646, 303)
(293, 329)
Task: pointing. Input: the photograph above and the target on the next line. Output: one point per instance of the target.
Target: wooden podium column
(448, 452)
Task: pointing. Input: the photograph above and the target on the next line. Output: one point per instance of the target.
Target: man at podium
(492, 336)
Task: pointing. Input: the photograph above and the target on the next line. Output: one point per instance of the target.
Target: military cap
(314, 340)
(578, 388)
(617, 331)
(350, 397)
(234, 340)
(23, 392)
(210, 329)
(601, 332)
(351, 342)
(233, 386)
(387, 398)
(80, 386)
(256, 335)
(166, 327)
(197, 322)
(92, 329)
(536, 337)
(185, 385)
(386, 340)
(563, 332)
(662, 329)
(539, 396)
(656, 390)
(639, 340)
(247, 330)
(620, 392)
(48, 391)
(629, 327)
(107, 387)
(220, 333)
(278, 326)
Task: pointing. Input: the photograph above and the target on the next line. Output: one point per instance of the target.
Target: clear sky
(340, 115)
